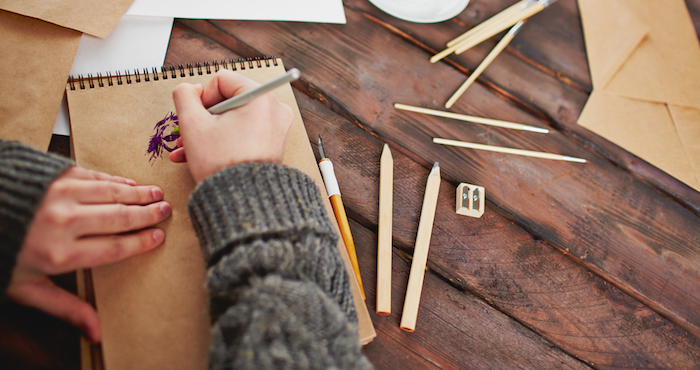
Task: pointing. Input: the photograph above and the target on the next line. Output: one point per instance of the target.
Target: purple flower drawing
(162, 137)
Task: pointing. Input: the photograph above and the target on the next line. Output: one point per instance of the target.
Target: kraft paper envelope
(95, 17)
(645, 52)
(666, 65)
(153, 307)
(606, 55)
(622, 118)
(36, 57)
(687, 122)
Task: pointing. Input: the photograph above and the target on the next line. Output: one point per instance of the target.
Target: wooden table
(571, 266)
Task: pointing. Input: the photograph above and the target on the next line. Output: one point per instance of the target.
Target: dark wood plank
(501, 263)
(590, 210)
(455, 330)
(553, 37)
(694, 10)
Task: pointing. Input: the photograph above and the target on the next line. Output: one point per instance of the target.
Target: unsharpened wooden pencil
(480, 37)
(420, 251)
(484, 29)
(493, 20)
(384, 247)
(485, 63)
(464, 117)
(499, 149)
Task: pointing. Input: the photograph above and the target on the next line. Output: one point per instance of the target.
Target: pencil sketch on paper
(163, 138)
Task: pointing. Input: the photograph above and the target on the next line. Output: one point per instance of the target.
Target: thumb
(188, 103)
(46, 296)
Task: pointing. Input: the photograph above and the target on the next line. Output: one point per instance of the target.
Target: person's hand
(86, 219)
(255, 132)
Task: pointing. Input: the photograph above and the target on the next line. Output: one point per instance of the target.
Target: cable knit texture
(280, 295)
(25, 176)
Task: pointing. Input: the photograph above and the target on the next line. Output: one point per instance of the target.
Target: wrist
(25, 176)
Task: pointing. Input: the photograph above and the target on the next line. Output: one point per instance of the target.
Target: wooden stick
(480, 37)
(384, 247)
(464, 117)
(495, 19)
(485, 63)
(420, 251)
(482, 29)
(499, 149)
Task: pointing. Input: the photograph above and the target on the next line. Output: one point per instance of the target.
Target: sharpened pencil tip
(436, 165)
(320, 147)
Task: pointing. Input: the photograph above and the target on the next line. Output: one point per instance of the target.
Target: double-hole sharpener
(470, 200)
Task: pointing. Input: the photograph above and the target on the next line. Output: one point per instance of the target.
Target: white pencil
(499, 149)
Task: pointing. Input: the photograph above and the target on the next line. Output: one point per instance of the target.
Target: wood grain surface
(573, 265)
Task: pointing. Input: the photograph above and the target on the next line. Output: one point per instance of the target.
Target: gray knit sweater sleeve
(280, 295)
(25, 176)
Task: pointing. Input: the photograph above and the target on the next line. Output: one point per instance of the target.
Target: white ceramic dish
(422, 11)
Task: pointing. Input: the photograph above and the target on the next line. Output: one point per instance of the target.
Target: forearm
(280, 294)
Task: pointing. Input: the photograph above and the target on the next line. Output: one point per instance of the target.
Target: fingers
(105, 192)
(178, 155)
(188, 104)
(224, 85)
(103, 250)
(105, 219)
(86, 174)
(46, 296)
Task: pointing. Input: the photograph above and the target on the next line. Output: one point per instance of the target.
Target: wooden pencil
(493, 20)
(384, 246)
(480, 37)
(485, 63)
(464, 117)
(499, 149)
(420, 251)
(483, 28)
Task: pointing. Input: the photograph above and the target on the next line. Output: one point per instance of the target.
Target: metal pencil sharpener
(470, 200)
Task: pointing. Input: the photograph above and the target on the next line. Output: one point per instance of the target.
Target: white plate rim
(388, 6)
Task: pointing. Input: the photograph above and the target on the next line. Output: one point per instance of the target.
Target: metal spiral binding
(169, 72)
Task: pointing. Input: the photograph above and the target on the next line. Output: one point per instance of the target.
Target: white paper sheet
(321, 11)
(135, 42)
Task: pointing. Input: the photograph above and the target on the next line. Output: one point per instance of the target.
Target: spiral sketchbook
(153, 307)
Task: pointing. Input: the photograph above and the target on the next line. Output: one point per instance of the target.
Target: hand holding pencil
(255, 132)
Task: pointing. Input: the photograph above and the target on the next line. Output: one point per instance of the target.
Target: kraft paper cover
(153, 307)
(94, 17)
(36, 57)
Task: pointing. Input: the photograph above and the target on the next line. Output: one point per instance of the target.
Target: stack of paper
(644, 59)
(39, 41)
